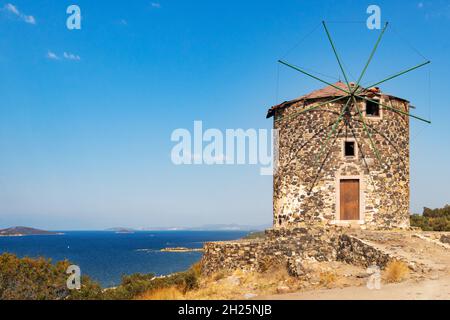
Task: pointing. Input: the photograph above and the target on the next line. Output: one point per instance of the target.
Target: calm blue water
(106, 256)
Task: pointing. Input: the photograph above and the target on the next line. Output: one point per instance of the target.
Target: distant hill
(121, 230)
(24, 231)
(213, 227)
(229, 227)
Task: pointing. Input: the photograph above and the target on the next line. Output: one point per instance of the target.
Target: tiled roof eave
(287, 104)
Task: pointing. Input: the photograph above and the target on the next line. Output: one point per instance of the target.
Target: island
(24, 231)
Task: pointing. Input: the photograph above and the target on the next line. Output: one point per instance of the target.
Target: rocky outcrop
(445, 238)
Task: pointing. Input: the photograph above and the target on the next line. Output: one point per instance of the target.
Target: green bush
(432, 219)
(90, 290)
(135, 285)
(39, 279)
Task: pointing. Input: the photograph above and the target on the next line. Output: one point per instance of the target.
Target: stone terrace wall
(282, 243)
(320, 244)
(355, 251)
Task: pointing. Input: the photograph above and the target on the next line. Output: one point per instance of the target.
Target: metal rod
(394, 109)
(399, 74)
(312, 76)
(336, 54)
(333, 130)
(366, 130)
(363, 156)
(371, 56)
(385, 138)
(323, 163)
(309, 109)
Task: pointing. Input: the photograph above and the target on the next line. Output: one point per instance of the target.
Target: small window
(372, 109)
(349, 148)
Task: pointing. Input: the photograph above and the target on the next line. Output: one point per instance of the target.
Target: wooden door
(349, 199)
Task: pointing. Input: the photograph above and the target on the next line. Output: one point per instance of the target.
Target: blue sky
(86, 115)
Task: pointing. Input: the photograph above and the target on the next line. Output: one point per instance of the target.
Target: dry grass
(269, 263)
(396, 271)
(197, 268)
(327, 279)
(228, 285)
(170, 293)
(219, 275)
(234, 285)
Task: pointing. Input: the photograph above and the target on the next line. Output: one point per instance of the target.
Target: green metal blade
(371, 56)
(314, 136)
(323, 164)
(310, 109)
(336, 54)
(366, 130)
(396, 147)
(394, 109)
(363, 156)
(398, 74)
(312, 76)
(333, 130)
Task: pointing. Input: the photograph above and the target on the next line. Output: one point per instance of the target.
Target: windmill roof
(327, 92)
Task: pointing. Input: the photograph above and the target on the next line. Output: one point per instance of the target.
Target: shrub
(39, 279)
(130, 287)
(90, 290)
(396, 271)
(197, 269)
(136, 285)
(432, 219)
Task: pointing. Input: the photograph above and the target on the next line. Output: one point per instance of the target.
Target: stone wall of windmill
(304, 193)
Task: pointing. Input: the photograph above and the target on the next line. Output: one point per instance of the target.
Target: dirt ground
(438, 289)
(419, 269)
(430, 279)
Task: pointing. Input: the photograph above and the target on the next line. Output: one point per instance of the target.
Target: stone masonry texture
(306, 188)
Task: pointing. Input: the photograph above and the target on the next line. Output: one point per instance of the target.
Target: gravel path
(438, 289)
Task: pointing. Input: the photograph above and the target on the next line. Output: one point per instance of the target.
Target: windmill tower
(343, 154)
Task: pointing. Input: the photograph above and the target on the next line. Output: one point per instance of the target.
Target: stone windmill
(343, 153)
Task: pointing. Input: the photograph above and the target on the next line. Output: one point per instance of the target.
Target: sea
(106, 256)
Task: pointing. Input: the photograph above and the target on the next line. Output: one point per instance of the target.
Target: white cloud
(71, 56)
(156, 5)
(52, 55)
(66, 55)
(29, 19)
(9, 7)
(12, 8)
